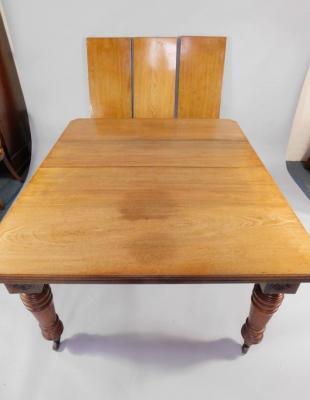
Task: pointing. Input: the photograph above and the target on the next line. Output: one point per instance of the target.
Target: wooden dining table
(153, 201)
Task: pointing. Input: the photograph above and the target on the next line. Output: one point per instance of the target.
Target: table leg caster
(245, 348)
(56, 345)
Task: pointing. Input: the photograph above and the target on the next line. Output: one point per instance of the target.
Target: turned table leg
(38, 299)
(265, 301)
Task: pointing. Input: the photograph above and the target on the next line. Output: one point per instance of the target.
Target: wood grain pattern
(165, 83)
(133, 143)
(150, 153)
(192, 222)
(100, 130)
(109, 74)
(200, 78)
(154, 77)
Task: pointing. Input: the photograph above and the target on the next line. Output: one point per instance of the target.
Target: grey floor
(9, 189)
(300, 175)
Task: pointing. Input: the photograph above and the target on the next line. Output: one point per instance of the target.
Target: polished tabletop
(152, 200)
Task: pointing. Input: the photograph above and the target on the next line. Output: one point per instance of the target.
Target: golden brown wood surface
(99, 130)
(154, 77)
(109, 75)
(150, 153)
(201, 75)
(159, 200)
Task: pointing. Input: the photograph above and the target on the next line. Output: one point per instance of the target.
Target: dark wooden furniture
(15, 134)
(1, 159)
(153, 201)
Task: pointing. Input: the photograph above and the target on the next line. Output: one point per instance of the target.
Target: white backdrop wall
(268, 55)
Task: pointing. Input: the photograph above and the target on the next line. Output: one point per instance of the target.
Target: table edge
(152, 279)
